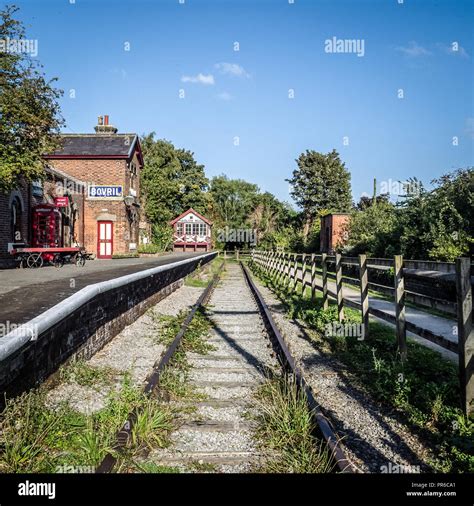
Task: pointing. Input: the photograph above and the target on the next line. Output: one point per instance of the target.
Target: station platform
(26, 293)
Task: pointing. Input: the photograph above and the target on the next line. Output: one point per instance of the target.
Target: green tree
(29, 112)
(193, 183)
(321, 181)
(439, 224)
(366, 201)
(436, 224)
(268, 217)
(172, 182)
(373, 231)
(232, 201)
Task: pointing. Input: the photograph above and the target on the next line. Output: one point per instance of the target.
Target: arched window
(16, 216)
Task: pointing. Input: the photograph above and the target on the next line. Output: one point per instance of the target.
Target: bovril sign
(105, 191)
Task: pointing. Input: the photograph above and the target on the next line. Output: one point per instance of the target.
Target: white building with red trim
(191, 232)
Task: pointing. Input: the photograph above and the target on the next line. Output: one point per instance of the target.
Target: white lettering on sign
(105, 191)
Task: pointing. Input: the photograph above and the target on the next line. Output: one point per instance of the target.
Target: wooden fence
(302, 272)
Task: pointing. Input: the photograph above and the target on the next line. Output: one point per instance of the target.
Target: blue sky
(341, 100)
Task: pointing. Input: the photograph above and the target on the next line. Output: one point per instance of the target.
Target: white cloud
(232, 69)
(453, 49)
(200, 78)
(121, 72)
(469, 129)
(413, 50)
(225, 96)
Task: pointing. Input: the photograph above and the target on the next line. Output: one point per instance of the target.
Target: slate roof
(96, 145)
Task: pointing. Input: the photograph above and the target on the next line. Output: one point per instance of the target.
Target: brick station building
(105, 168)
(98, 174)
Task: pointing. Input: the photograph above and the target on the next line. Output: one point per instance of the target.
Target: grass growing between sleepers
(201, 277)
(424, 390)
(286, 427)
(36, 437)
(174, 381)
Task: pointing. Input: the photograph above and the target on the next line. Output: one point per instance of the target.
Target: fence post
(340, 301)
(313, 276)
(288, 269)
(400, 306)
(277, 267)
(303, 276)
(237, 255)
(364, 294)
(225, 255)
(324, 266)
(465, 333)
(295, 273)
(283, 269)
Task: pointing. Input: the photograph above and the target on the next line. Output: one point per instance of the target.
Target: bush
(149, 248)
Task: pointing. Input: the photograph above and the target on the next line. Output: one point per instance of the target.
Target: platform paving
(26, 293)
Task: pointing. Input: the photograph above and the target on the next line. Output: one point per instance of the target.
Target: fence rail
(292, 270)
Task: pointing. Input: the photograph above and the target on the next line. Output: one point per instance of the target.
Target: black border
(237, 490)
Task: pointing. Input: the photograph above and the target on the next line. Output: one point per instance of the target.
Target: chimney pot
(103, 126)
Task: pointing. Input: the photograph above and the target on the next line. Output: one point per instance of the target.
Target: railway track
(218, 432)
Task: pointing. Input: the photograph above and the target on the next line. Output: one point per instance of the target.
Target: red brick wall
(5, 220)
(99, 171)
(107, 172)
(333, 227)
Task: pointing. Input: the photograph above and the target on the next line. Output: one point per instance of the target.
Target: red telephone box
(46, 226)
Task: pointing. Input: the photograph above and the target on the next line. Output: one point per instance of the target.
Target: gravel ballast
(218, 432)
(372, 436)
(133, 351)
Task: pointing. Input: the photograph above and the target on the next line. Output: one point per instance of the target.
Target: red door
(105, 239)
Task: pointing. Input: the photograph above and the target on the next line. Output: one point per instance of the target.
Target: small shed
(191, 232)
(333, 231)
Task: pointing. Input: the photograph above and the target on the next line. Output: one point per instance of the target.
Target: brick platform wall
(101, 319)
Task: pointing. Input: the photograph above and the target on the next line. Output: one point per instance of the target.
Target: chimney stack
(103, 126)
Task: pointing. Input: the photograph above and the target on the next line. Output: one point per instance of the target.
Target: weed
(424, 389)
(286, 425)
(194, 339)
(201, 277)
(35, 438)
(175, 384)
(152, 468)
(202, 467)
(152, 426)
(82, 373)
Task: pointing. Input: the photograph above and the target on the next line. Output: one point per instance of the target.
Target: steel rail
(153, 379)
(324, 424)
